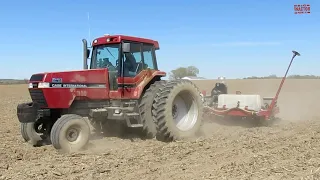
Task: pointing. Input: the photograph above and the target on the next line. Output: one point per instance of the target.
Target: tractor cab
(125, 57)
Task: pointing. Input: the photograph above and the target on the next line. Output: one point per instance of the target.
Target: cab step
(130, 103)
(136, 125)
(131, 116)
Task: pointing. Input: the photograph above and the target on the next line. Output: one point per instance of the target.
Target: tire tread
(57, 126)
(149, 126)
(160, 106)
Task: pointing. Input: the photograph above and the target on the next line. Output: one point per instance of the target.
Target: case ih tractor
(122, 84)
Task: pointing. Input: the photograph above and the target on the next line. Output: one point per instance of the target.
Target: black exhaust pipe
(85, 54)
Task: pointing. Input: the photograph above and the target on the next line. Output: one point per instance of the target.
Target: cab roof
(112, 39)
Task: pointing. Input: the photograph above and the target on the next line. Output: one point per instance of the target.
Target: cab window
(132, 62)
(148, 56)
(105, 56)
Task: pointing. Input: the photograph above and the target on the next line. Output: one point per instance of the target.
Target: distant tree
(183, 72)
(252, 77)
(273, 76)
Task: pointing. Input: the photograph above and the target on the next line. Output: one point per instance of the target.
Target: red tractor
(121, 85)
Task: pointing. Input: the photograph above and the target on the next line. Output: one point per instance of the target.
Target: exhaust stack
(85, 54)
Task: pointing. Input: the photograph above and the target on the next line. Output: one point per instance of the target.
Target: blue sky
(222, 38)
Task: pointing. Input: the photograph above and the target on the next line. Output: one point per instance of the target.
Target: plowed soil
(288, 150)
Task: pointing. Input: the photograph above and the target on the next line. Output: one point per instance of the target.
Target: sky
(228, 38)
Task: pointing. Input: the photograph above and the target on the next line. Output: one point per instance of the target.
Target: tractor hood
(70, 79)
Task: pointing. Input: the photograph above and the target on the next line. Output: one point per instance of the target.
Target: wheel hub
(72, 134)
(40, 127)
(184, 111)
(174, 111)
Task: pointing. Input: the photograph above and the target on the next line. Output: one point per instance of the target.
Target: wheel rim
(73, 134)
(184, 111)
(38, 128)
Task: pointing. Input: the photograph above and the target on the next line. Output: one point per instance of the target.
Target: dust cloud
(298, 99)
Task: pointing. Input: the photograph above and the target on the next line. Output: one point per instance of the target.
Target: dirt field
(289, 150)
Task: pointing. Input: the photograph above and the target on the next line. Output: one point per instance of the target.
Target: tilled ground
(289, 150)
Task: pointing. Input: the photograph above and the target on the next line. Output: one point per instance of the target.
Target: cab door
(107, 57)
(138, 63)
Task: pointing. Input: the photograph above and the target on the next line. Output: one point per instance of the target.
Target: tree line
(13, 81)
(289, 77)
(181, 72)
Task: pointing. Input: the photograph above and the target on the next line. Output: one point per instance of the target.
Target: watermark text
(301, 9)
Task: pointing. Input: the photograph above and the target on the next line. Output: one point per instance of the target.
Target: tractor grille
(38, 97)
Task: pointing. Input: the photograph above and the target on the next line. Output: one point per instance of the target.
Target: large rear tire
(70, 133)
(178, 110)
(145, 106)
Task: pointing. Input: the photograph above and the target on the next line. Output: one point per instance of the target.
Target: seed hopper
(246, 106)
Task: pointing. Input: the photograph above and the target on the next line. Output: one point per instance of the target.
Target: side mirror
(125, 47)
(88, 53)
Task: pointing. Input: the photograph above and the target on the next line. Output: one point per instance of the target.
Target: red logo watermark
(302, 9)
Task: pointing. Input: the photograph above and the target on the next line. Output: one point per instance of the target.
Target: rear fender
(147, 81)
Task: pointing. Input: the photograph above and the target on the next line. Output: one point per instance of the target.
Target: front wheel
(30, 135)
(70, 133)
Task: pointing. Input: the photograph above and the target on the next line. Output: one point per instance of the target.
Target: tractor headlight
(43, 85)
(30, 85)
